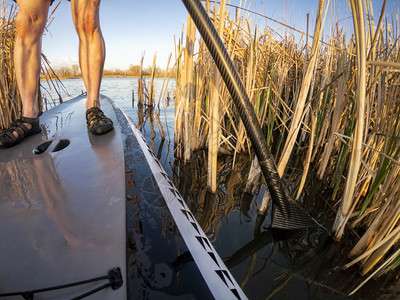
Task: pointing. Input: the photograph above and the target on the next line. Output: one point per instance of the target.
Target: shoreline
(104, 76)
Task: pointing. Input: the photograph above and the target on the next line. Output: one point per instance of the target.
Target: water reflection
(210, 209)
(54, 195)
(140, 117)
(268, 263)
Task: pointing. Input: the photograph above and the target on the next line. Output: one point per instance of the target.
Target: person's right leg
(30, 23)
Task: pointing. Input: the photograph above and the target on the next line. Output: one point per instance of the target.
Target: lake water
(268, 264)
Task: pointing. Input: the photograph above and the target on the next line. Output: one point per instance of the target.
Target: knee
(87, 20)
(86, 25)
(29, 25)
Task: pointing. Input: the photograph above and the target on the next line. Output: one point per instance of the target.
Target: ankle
(30, 113)
(92, 103)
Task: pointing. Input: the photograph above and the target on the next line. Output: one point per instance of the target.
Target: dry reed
(147, 90)
(340, 101)
(9, 97)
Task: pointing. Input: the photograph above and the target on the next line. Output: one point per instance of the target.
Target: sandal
(7, 137)
(97, 122)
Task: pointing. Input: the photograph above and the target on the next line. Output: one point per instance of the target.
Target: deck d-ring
(42, 147)
(62, 144)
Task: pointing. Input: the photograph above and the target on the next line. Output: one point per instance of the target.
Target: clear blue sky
(131, 27)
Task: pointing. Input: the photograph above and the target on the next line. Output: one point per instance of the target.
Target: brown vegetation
(335, 105)
(10, 104)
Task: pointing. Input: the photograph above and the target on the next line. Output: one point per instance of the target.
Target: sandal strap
(9, 135)
(96, 114)
(19, 127)
(31, 121)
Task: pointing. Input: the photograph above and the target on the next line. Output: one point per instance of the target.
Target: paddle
(286, 214)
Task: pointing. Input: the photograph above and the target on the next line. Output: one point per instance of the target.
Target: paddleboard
(62, 209)
(99, 210)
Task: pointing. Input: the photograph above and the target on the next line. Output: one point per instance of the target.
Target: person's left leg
(86, 17)
(85, 14)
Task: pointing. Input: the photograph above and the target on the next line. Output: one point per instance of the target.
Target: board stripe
(217, 276)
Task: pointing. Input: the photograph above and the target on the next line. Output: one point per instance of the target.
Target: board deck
(62, 207)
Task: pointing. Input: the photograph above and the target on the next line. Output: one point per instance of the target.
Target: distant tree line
(68, 72)
(133, 71)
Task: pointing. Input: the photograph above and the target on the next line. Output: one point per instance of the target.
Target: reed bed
(334, 106)
(9, 97)
(147, 90)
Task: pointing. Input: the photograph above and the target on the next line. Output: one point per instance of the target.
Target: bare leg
(85, 14)
(30, 23)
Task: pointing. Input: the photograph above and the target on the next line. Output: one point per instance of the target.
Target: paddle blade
(290, 216)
